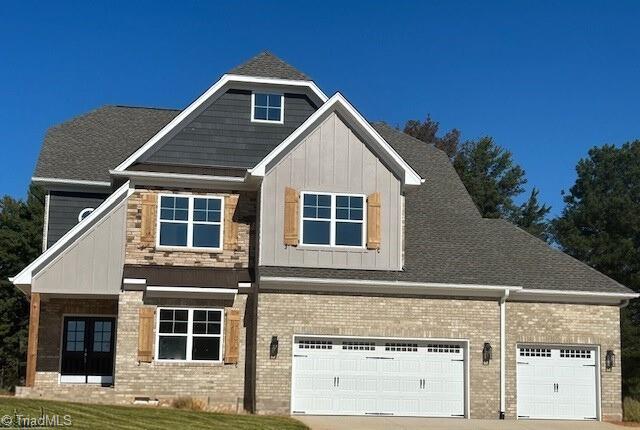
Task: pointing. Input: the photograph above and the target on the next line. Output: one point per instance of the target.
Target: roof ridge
(267, 65)
(143, 107)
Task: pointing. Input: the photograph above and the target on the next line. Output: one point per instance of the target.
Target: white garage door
(557, 382)
(333, 376)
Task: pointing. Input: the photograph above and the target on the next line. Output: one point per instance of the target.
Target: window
(75, 335)
(102, 336)
(84, 213)
(189, 334)
(333, 219)
(190, 221)
(267, 108)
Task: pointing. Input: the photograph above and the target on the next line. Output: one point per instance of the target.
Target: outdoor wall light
(486, 353)
(273, 347)
(610, 360)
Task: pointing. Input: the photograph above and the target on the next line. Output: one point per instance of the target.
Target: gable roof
(267, 65)
(337, 102)
(86, 147)
(447, 241)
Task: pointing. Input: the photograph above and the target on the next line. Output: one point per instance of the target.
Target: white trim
(41, 180)
(45, 227)
(187, 290)
(579, 293)
(85, 212)
(267, 121)
(411, 176)
(215, 88)
(503, 355)
(182, 178)
(134, 281)
(463, 341)
(190, 222)
(189, 335)
(244, 285)
(25, 276)
(332, 221)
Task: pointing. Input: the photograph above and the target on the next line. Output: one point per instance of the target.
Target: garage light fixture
(273, 347)
(610, 360)
(486, 353)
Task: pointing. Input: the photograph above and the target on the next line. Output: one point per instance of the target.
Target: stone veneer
(241, 257)
(284, 315)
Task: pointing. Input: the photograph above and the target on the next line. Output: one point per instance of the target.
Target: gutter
(503, 352)
(153, 178)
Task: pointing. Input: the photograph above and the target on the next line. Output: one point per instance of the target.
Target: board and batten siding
(223, 134)
(331, 159)
(92, 264)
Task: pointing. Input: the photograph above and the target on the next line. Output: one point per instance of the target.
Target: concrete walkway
(399, 423)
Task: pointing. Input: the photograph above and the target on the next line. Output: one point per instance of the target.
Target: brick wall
(283, 315)
(241, 257)
(567, 324)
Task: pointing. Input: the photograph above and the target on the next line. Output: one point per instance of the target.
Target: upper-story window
(266, 107)
(190, 221)
(333, 219)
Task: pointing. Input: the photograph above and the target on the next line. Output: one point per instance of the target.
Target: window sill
(266, 121)
(360, 249)
(180, 363)
(189, 249)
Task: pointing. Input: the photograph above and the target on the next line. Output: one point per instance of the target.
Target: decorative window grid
(401, 347)
(359, 346)
(575, 353)
(315, 344)
(439, 347)
(535, 352)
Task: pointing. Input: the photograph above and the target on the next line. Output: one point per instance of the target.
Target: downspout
(503, 346)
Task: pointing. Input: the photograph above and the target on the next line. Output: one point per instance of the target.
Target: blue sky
(548, 80)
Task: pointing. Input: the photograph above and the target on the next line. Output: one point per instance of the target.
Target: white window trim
(332, 221)
(253, 107)
(189, 335)
(84, 213)
(190, 222)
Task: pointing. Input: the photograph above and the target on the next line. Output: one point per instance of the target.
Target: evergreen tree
(427, 131)
(531, 217)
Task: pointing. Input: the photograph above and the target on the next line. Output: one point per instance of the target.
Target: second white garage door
(557, 382)
(335, 376)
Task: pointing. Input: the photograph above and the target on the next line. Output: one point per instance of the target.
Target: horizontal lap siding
(64, 208)
(223, 134)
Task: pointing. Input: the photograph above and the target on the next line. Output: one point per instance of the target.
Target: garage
(557, 382)
(357, 376)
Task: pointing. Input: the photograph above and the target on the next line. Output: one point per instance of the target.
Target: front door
(87, 350)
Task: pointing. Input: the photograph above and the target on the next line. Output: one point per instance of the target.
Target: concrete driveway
(398, 423)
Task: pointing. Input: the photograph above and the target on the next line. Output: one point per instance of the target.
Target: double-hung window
(190, 221)
(333, 219)
(267, 108)
(186, 334)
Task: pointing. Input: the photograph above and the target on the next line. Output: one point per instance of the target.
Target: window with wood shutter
(373, 221)
(232, 336)
(148, 221)
(291, 216)
(145, 334)
(230, 226)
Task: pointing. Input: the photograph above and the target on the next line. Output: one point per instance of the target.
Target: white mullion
(332, 229)
(190, 222)
(189, 334)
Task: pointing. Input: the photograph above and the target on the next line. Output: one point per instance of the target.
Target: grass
(631, 409)
(88, 416)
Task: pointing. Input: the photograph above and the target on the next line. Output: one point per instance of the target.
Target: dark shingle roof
(448, 241)
(267, 65)
(88, 146)
(446, 238)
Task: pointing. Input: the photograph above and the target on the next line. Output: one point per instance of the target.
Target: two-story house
(268, 249)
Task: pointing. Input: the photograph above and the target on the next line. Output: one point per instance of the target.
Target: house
(269, 249)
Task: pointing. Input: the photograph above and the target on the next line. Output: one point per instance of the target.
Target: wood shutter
(148, 221)
(145, 334)
(291, 220)
(373, 221)
(230, 226)
(231, 335)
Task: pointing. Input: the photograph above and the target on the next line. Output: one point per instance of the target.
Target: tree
(427, 131)
(600, 225)
(20, 243)
(490, 176)
(531, 217)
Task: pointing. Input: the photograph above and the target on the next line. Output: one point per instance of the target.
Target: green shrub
(188, 403)
(631, 408)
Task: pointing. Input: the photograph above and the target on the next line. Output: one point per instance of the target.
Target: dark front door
(87, 350)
